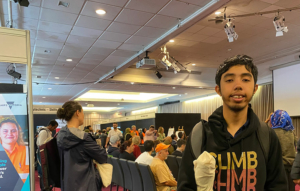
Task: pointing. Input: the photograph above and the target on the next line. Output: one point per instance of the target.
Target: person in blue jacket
(77, 151)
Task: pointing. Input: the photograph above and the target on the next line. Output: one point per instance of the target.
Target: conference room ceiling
(98, 44)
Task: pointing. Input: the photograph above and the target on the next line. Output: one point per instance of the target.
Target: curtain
(90, 118)
(296, 123)
(262, 104)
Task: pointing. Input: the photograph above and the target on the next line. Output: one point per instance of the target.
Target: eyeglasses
(5, 131)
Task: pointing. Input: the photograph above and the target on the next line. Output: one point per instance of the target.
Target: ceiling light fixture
(44, 97)
(100, 12)
(200, 87)
(174, 88)
(118, 104)
(41, 102)
(186, 93)
(194, 64)
(172, 40)
(132, 82)
(69, 60)
(57, 78)
(49, 88)
(158, 74)
(218, 12)
(279, 25)
(179, 95)
(230, 32)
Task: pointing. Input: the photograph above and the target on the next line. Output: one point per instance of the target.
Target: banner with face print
(14, 137)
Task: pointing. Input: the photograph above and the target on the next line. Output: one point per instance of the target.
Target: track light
(175, 67)
(158, 74)
(229, 30)
(166, 62)
(279, 25)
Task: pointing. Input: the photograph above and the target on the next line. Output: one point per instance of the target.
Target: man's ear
(218, 90)
(255, 88)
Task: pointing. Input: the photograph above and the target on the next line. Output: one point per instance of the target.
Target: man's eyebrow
(246, 74)
(232, 74)
(229, 75)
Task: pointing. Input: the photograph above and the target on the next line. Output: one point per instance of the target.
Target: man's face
(133, 128)
(52, 128)
(115, 126)
(182, 147)
(164, 153)
(151, 129)
(237, 88)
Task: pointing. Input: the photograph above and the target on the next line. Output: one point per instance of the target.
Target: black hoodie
(242, 154)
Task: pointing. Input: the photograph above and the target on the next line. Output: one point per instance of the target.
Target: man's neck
(159, 158)
(115, 129)
(234, 120)
(150, 152)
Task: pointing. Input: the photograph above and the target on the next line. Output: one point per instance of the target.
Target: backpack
(263, 135)
(50, 164)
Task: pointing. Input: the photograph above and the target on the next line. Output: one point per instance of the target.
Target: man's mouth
(237, 98)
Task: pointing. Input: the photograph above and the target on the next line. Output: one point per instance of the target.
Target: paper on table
(204, 168)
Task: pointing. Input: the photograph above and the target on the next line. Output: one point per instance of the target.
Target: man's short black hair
(181, 142)
(151, 126)
(173, 136)
(115, 123)
(245, 60)
(148, 145)
(53, 123)
(180, 134)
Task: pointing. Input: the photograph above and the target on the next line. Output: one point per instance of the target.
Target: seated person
(180, 148)
(126, 151)
(174, 141)
(136, 142)
(163, 177)
(145, 157)
(114, 150)
(168, 141)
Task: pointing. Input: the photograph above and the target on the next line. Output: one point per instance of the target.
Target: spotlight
(24, 3)
(279, 25)
(158, 74)
(229, 30)
(166, 62)
(175, 67)
(12, 72)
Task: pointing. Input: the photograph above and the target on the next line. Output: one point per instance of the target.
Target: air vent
(64, 4)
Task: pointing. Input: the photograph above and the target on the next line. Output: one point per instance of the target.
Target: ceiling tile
(107, 44)
(134, 17)
(91, 7)
(80, 31)
(51, 36)
(209, 31)
(113, 61)
(150, 32)
(212, 40)
(103, 69)
(71, 52)
(119, 3)
(270, 1)
(287, 3)
(49, 44)
(194, 28)
(271, 8)
(97, 57)
(23, 23)
(152, 6)
(185, 42)
(80, 40)
(90, 61)
(92, 23)
(124, 53)
(36, 3)
(54, 27)
(41, 50)
(20, 11)
(132, 47)
(164, 22)
(85, 67)
(37, 61)
(112, 36)
(249, 7)
(178, 9)
(101, 51)
(58, 16)
(138, 40)
(197, 2)
(190, 36)
(62, 58)
(123, 28)
(74, 7)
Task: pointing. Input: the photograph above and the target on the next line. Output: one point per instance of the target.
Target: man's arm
(42, 137)
(186, 176)
(171, 183)
(295, 173)
(276, 178)
(107, 140)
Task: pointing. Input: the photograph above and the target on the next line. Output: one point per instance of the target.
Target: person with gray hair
(114, 149)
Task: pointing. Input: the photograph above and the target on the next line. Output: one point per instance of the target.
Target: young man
(174, 141)
(145, 157)
(151, 134)
(180, 148)
(231, 137)
(163, 177)
(113, 132)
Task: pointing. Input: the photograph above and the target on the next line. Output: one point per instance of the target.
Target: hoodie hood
(218, 126)
(70, 137)
(112, 149)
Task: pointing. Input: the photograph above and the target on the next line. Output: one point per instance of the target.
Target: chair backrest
(127, 174)
(148, 178)
(142, 148)
(118, 176)
(179, 159)
(173, 165)
(137, 182)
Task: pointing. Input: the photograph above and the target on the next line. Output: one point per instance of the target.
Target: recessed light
(49, 88)
(86, 103)
(57, 78)
(41, 102)
(229, 49)
(200, 87)
(194, 64)
(167, 98)
(179, 94)
(132, 82)
(118, 104)
(100, 12)
(186, 93)
(44, 97)
(171, 40)
(69, 60)
(218, 12)
(174, 88)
